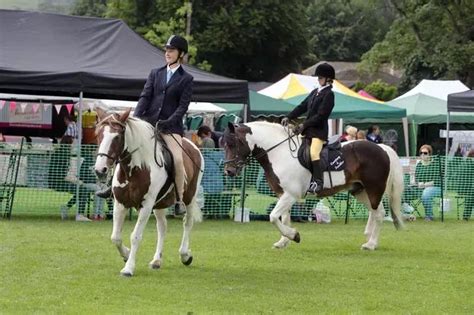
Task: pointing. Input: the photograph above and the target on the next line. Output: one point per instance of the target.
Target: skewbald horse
(141, 181)
(371, 170)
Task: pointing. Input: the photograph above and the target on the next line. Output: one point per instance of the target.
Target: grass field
(49, 266)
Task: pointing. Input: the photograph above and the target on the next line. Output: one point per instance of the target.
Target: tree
(138, 14)
(381, 90)
(253, 40)
(159, 33)
(96, 8)
(343, 30)
(430, 39)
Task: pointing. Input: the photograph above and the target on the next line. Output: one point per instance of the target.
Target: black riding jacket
(318, 106)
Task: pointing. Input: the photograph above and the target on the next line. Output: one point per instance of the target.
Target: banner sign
(25, 114)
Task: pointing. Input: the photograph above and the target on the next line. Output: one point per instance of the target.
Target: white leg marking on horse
(136, 236)
(374, 223)
(283, 207)
(188, 222)
(284, 241)
(378, 216)
(161, 226)
(116, 237)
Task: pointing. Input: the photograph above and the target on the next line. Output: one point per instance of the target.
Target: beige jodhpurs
(177, 152)
(315, 149)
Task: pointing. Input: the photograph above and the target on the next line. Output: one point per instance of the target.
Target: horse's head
(236, 147)
(110, 131)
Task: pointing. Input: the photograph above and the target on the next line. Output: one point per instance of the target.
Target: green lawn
(49, 266)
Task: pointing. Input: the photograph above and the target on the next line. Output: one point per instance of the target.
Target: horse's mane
(139, 136)
(267, 132)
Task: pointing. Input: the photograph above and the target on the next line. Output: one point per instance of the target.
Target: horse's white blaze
(101, 161)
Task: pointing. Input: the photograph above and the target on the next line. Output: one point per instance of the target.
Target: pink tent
(365, 94)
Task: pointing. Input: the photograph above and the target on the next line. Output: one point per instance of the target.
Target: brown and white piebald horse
(141, 181)
(371, 170)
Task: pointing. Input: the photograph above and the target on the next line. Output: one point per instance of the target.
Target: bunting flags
(23, 107)
(12, 106)
(35, 106)
(58, 108)
(69, 107)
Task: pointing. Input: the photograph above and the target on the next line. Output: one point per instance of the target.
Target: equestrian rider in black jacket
(164, 101)
(318, 106)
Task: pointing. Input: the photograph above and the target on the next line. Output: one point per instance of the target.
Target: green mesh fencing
(48, 184)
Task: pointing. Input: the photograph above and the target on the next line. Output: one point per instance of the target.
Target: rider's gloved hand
(163, 125)
(299, 129)
(285, 121)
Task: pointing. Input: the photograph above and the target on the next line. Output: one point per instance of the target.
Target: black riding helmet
(177, 42)
(325, 70)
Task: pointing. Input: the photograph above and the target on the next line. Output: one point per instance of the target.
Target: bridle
(124, 154)
(238, 162)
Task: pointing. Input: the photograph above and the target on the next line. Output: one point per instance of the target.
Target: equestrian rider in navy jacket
(163, 103)
(318, 105)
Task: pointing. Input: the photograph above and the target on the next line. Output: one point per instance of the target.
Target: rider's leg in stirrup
(317, 183)
(175, 145)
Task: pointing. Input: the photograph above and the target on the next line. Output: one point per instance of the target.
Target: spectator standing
(205, 135)
(71, 131)
(374, 134)
(349, 134)
(361, 135)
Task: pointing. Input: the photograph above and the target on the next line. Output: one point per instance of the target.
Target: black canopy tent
(457, 102)
(52, 54)
(461, 102)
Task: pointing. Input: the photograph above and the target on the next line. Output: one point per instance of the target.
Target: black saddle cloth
(332, 159)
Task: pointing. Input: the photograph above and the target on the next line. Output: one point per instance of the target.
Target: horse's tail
(394, 189)
(193, 206)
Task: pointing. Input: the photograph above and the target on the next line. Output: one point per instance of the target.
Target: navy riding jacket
(169, 102)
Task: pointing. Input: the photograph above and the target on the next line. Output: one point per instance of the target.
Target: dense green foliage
(343, 30)
(264, 40)
(430, 39)
(378, 89)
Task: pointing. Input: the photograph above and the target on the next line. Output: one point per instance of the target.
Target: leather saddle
(332, 159)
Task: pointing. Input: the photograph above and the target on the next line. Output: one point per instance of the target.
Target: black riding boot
(316, 184)
(105, 192)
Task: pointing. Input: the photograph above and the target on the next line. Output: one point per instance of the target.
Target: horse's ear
(100, 113)
(124, 116)
(231, 127)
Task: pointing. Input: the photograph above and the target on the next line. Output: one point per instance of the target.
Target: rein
(263, 152)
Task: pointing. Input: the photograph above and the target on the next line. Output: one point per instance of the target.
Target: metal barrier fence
(42, 179)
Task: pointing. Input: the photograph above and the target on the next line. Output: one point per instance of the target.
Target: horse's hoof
(155, 265)
(367, 246)
(281, 243)
(126, 274)
(188, 261)
(297, 237)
